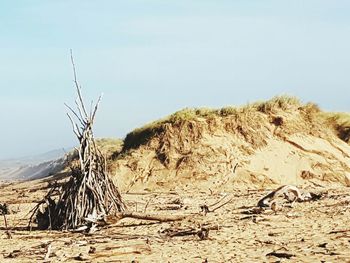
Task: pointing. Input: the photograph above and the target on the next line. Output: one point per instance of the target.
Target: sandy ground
(316, 231)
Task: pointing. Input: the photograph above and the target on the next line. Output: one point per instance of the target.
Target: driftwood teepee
(89, 191)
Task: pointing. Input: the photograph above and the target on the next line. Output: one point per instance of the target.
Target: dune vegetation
(340, 121)
(141, 135)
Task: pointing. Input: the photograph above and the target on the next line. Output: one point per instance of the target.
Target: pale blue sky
(151, 58)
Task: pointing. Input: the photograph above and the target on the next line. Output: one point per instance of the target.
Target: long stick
(7, 230)
(77, 85)
(112, 219)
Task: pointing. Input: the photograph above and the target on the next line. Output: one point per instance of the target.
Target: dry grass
(142, 135)
(277, 103)
(311, 114)
(108, 146)
(340, 121)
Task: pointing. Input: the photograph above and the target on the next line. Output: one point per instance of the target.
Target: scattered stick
(205, 209)
(48, 252)
(339, 231)
(112, 219)
(280, 255)
(94, 221)
(148, 202)
(202, 232)
(8, 233)
(169, 207)
(4, 210)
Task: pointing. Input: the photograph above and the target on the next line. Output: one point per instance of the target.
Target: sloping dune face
(261, 145)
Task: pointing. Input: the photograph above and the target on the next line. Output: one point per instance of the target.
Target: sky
(152, 58)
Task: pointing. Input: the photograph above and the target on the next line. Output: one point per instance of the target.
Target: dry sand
(315, 231)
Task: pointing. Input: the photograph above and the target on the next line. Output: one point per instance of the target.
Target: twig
(148, 201)
(225, 203)
(339, 231)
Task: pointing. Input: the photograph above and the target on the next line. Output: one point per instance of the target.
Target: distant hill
(49, 163)
(34, 159)
(32, 167)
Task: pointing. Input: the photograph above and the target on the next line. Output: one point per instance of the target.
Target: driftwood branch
(48, 252)
(8, 233)
(92, 221)
(144, 216)
(78, 87)
(202, 232)
(76, 115)
(96, 106)
(215, 206)
(74, 126)
(289, 192)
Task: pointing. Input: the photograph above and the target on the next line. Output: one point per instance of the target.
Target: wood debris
(202, 231)
(89, 190)
(280, 255)
(205, 209)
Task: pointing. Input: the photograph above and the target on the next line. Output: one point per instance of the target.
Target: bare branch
(96, 106)
(112, 219)
(82, 122)
(84, 119)
(78, 87)
(91, 106)
(75, 130)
